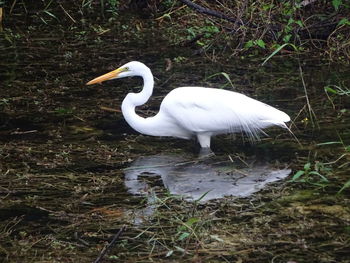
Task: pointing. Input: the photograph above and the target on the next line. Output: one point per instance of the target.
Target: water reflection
(191, 178)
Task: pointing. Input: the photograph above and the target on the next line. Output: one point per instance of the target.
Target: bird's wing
(219, 111)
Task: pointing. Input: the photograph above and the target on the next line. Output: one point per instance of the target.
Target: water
(201, 179)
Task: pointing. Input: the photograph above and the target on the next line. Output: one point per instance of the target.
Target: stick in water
(106, 248)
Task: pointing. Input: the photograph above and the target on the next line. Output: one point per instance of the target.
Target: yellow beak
(107, 76)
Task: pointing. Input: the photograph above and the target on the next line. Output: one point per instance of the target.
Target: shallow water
(201, 179)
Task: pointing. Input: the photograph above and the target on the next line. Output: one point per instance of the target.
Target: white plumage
(194, 111)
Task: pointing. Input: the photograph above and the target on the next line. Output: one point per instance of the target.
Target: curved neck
(146, 92)
(132, 100)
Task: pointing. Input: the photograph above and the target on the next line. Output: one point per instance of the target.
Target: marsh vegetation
(65, 155)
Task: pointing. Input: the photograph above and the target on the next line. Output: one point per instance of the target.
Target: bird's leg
(204, 139)
(205, 153)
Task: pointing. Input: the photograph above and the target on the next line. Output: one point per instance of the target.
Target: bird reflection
(203, 179)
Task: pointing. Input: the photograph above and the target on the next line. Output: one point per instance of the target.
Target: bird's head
(133, 68)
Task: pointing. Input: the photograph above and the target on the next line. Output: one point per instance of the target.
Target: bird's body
(195, 111)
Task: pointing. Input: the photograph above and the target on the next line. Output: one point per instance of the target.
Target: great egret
(194, 111)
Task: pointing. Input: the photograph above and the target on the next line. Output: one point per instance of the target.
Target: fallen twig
(23, 132)
(109, 109)
(106, 248)
(64, 10)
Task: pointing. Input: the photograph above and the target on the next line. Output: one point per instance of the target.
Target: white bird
(194, 111)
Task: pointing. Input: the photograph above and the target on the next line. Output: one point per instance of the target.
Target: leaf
(260, 43)
(170, 252)
(300, 23)
(191, 221)
(290, 21)
(229, 80)
(200, 43)
(346, 185)
(328, 143)
(50, 14)
(203, 195)
(267, 7)
(192, 32)
(336, 4)
(330, 90)
(344, 21)
(286, 38)
(183, 236)
(277, 50)
(217, 238)
(320, 175)
(307, 166)
(297, 175)
(249, 44)
(167, 16)
(180, 249)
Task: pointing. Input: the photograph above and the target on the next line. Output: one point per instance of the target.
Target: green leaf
(227, 77)
(286, 38)
(277, 50)
(260, 43)
(191, 221)
(344, 21)
(191, 31)
(297, 175)
(249, 44)
(346, 185)
(337, 3)
(300, 23)
(330, 90)
(320, 175)
(168, 16)
(229, 80)
(267, 7)
(290, 21)
(203, 195)
(183, 236)
(307, 166)
(200, 43)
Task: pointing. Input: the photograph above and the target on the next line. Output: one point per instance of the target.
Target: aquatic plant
(308, 174)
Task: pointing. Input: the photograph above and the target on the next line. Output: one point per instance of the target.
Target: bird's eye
(126, 68)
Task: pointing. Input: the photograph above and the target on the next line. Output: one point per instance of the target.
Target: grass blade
(278, 50)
